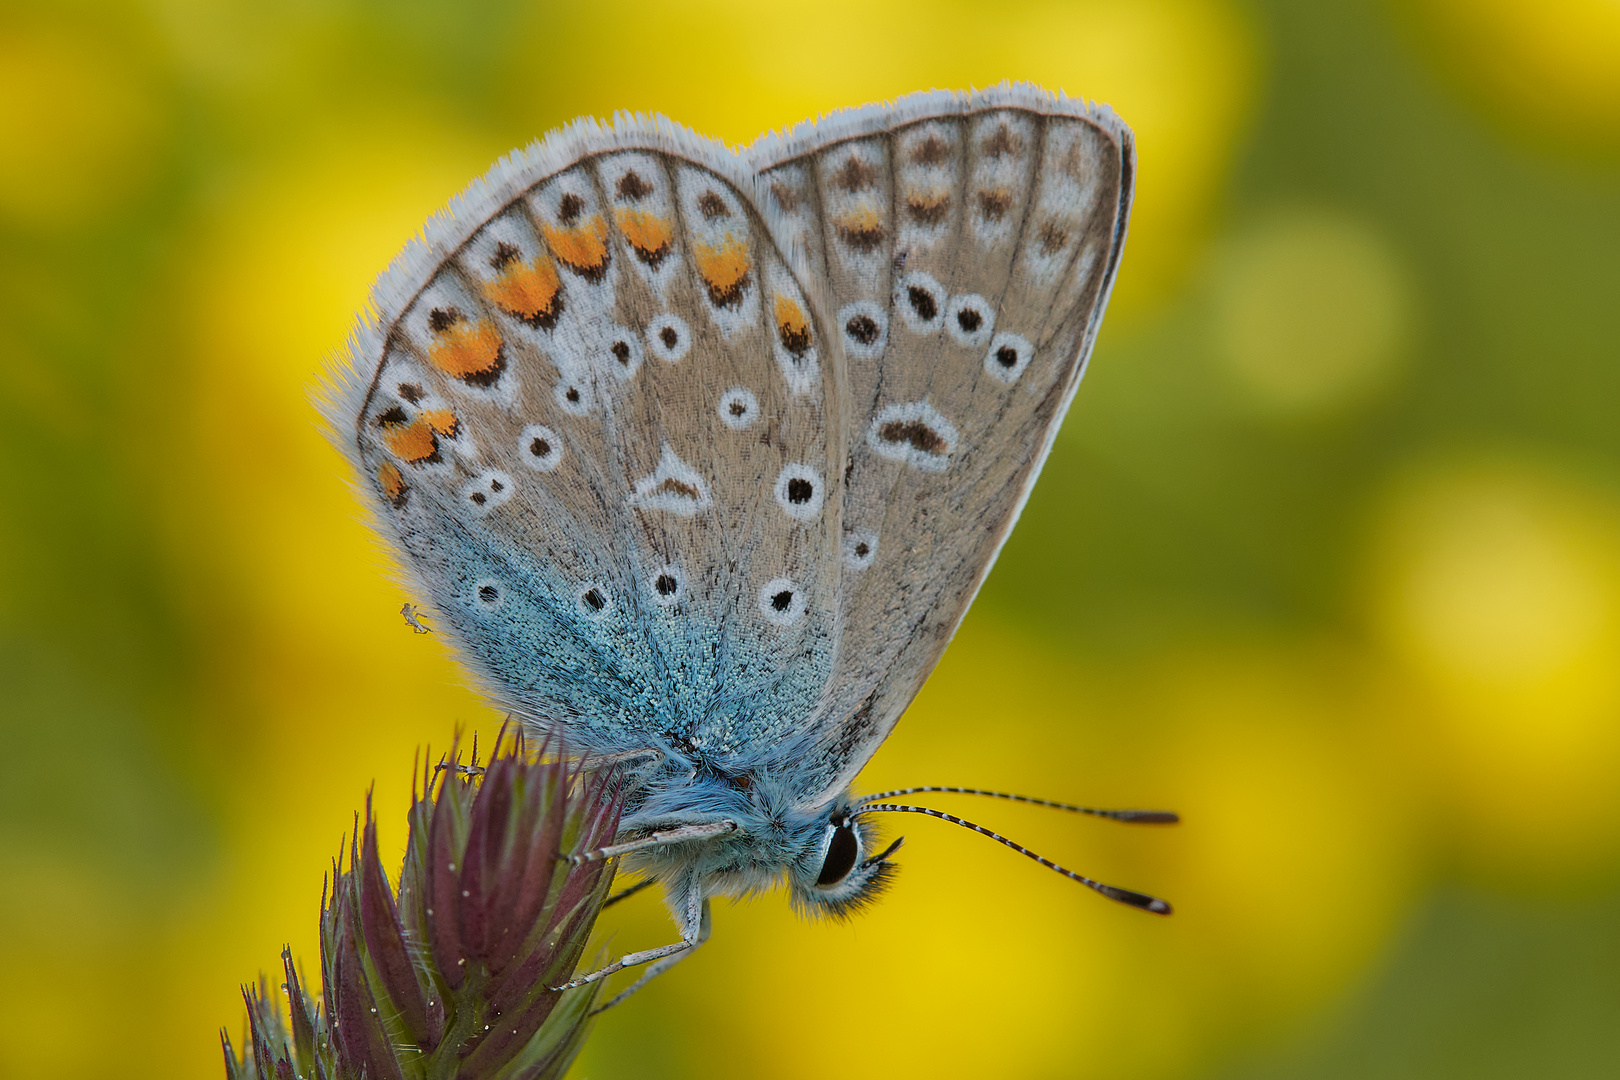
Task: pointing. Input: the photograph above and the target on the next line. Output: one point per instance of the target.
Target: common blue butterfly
(699, 457)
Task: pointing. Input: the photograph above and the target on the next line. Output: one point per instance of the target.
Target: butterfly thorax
(771, 831)
(818, 851)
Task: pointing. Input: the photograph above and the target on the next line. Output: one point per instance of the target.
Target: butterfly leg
(679, 835)
(694, 930)
(601, 761)
(627, 893)
(661, 966)
(627, 960)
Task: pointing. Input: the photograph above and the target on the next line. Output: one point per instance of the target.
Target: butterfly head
(837, 872)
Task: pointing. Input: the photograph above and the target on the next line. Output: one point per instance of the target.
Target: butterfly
(700, 456)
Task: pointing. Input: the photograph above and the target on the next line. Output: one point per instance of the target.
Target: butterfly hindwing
(969, 244)
(602, 428)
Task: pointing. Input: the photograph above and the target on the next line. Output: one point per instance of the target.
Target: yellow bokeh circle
(1498, 588)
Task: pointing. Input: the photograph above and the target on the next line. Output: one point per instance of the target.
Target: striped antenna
(1131, 817)
(1124, 896)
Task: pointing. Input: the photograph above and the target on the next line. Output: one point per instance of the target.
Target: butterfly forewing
(968, 245)
(602, 430)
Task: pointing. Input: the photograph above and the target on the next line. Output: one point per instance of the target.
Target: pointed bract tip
(485, 902)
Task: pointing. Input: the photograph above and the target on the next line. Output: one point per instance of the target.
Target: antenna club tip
(1137, 900)
(1153, 817)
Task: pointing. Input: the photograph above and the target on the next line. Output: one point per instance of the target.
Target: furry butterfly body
(700, 457)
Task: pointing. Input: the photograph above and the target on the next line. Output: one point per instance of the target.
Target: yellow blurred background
(1327, 556)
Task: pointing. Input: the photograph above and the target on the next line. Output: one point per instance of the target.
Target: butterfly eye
(843, 851)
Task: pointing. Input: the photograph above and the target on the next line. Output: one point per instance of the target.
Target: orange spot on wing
(863, 217)
(928, 207)
(442, 421)
(583, 247)
(861, 229)
(993, 203)
(470, 351)
(789, 316)
(393, 484)
(527, 292)
(791, 326)
(413, 443)
(725, 269)
(648, 234)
